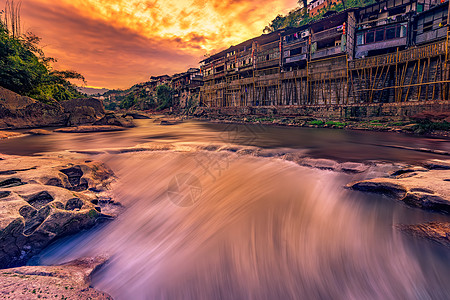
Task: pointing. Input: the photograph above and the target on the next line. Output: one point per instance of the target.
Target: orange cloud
(116, 43)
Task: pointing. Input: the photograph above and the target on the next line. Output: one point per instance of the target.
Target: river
(207, 224)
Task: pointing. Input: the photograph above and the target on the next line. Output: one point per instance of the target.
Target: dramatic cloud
(116, 43)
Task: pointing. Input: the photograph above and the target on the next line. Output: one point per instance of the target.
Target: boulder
(427, 189)
(136, 115)
(23, 112)
(380, 186)
(67, 281)
(353, 167)
(83, 111)
(115, 120)
(319, 163)
(438, 232)
(47, 197)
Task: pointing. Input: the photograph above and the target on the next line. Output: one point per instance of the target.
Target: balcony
(294, 74)
(208, 77)
(268, 63)
(295, 58)
(362, 50)
(327, 52)
(435, 34)
(294, 45)
(331, 33)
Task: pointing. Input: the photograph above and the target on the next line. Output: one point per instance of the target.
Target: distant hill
(91, 91)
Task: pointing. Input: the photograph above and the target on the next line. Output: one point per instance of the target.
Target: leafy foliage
(164, 95)
(25, 70)
(300, 16)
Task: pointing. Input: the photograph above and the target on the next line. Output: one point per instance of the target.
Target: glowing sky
(117, 43)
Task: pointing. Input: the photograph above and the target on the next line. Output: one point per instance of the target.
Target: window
(379, 35)
(402, 30)
(370, 37)
(382, 34)
(360, 39)
(296, 51)
(419, 7)
(390, 33)
(428, 26)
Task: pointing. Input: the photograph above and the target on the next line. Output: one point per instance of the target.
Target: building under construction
(393, 51)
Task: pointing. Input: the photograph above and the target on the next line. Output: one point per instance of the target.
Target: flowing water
(202, 223)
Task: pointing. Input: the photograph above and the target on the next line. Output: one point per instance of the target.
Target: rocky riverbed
(44, 198)
(423, 186)
(67, 281)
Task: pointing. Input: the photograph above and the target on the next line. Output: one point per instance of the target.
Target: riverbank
(436, 129)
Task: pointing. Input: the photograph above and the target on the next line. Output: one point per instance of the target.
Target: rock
(427, 200)
(90, 128)
(410, 127)
(410, 169)
(435, 231)
(353, 167)
(82, 115)
(23, 112)
(47, 198)
(170, 121)
(39, 132)
(321, 163)
(380, 186)
(427, 190)
(8, 134)
(67, 281)
(115, 120)
(83, 111)
(437, 164)
(136, 115)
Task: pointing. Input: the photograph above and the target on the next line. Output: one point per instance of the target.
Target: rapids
(208, 218)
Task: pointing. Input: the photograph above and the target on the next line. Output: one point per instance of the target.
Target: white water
(262, 228)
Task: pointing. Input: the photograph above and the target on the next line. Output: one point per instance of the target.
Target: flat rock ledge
(90, 128)
(426, 186)
(43, 198)
(438, 232)
(67, 281)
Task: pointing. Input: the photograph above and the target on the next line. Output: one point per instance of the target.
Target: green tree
(25, 70)
(164, 95)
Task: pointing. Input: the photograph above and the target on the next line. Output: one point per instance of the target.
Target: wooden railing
(411, 54)
(328, 33)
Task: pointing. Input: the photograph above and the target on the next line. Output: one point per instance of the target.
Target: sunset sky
(117, 43)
